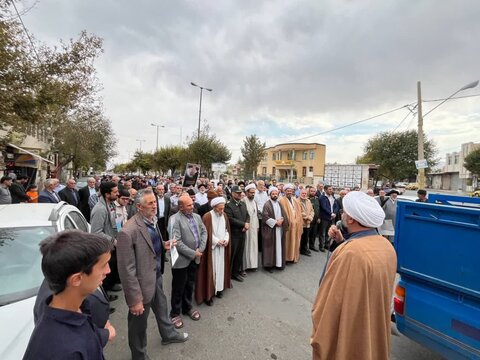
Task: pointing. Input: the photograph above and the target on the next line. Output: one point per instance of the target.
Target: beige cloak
(294, 233)
(351, 314)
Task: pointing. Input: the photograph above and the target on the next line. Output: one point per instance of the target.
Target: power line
(351, 124)
(26, 31)
(452, 98)
(401, 122)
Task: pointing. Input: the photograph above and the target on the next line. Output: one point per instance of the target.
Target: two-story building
(453, 175)
(303, 162)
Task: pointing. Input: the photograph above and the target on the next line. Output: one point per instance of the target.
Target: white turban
(250, 186)
(272, 188)
(217, 200)
(364, 209)
(288, 186)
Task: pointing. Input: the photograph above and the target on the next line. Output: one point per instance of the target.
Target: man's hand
(169, 244)
(333, 215)
(111, 330)
(246, 226)
(280, 222)
(198, 253)
(137, 309)
(335, 234)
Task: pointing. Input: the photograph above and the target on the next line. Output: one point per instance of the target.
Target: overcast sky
(282, 70)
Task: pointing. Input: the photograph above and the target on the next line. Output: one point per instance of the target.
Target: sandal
(194, 315)
(177, 322)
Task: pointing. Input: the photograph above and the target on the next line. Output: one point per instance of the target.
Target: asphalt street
(265, 317)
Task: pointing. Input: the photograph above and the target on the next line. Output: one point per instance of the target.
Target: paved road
(265, 317)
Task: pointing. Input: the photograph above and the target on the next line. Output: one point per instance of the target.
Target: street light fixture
(200, 108)
(157, 126)
(421, 152)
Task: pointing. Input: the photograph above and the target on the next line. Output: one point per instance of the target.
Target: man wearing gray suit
(191, 236)
(140, 253)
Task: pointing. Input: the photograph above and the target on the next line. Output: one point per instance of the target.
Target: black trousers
(238, 248)
(260, 239)
(312, 234)
(137, 325)
(304, 240)
(323, 233)
(183, 282)
(163, 228)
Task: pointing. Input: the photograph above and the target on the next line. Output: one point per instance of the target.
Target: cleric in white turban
(250, 186)
(360, 272)
(218, 200)
(288, 186)
(272, 188)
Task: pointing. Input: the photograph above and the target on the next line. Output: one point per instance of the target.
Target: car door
(71, 219)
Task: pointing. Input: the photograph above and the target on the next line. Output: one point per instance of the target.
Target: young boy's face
(99, 272)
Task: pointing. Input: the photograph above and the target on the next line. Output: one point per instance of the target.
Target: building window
(279, 155)
(449, 160)
(456, 159)
(274, 156)
(304, 171)
(310, 169)
(264, 170)
(305, 154)
(273, 171)
(312, 154)
(291, 155)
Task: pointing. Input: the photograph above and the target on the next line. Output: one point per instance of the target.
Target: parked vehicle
(437, 300)
(22, 227)
(412, 186)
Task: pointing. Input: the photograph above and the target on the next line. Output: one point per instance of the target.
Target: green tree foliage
(206, 150)
(253, 151)
(169, 158)
(54, 89)
(396, 153)
(142, 161)
(472, 162)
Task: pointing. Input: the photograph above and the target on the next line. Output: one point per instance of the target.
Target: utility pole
(421, 155)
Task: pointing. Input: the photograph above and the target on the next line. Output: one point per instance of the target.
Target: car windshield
(20, 262)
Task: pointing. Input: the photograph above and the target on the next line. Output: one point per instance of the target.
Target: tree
(142, 161)
(169, 158)
(396, 153)
(206, 149)
(253, 151)
(472, 162)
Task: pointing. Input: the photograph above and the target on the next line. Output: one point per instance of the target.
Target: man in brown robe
(351, 313)
(294, 216)
(205, 288)
(274, 228)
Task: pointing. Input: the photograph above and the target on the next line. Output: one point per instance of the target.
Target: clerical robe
(214, 269)
(273, 243)
(250, 254)
(292, 238)
(351, 313)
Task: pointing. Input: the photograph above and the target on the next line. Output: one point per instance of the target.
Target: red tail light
(399, 300)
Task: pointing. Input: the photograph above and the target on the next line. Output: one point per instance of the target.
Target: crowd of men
(215, 232)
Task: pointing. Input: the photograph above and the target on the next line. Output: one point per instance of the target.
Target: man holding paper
(191, 236)
(141, 253)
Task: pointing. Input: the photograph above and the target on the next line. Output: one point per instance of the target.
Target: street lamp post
(200, 108)
(140, 144)
(157, 126)
(421, 152)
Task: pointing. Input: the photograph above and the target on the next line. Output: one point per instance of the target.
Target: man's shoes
(111, 310)
(305, 253)
(219, 294)
(322, 249)
(313, 248)
(116, 287)
(237, 278)
(243, 274)
(112, 297)
(269, 269)
(209, 302)
(180, 338)
(166, 259)
(308, 252)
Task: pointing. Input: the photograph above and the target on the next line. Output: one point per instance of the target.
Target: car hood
(17, 326)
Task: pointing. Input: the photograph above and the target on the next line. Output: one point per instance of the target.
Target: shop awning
(30, 153)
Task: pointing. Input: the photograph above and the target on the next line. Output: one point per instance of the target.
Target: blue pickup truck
(437, 300)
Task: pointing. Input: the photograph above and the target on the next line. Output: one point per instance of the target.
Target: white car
(22, 227)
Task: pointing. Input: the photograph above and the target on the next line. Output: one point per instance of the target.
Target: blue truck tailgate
(438, 250)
